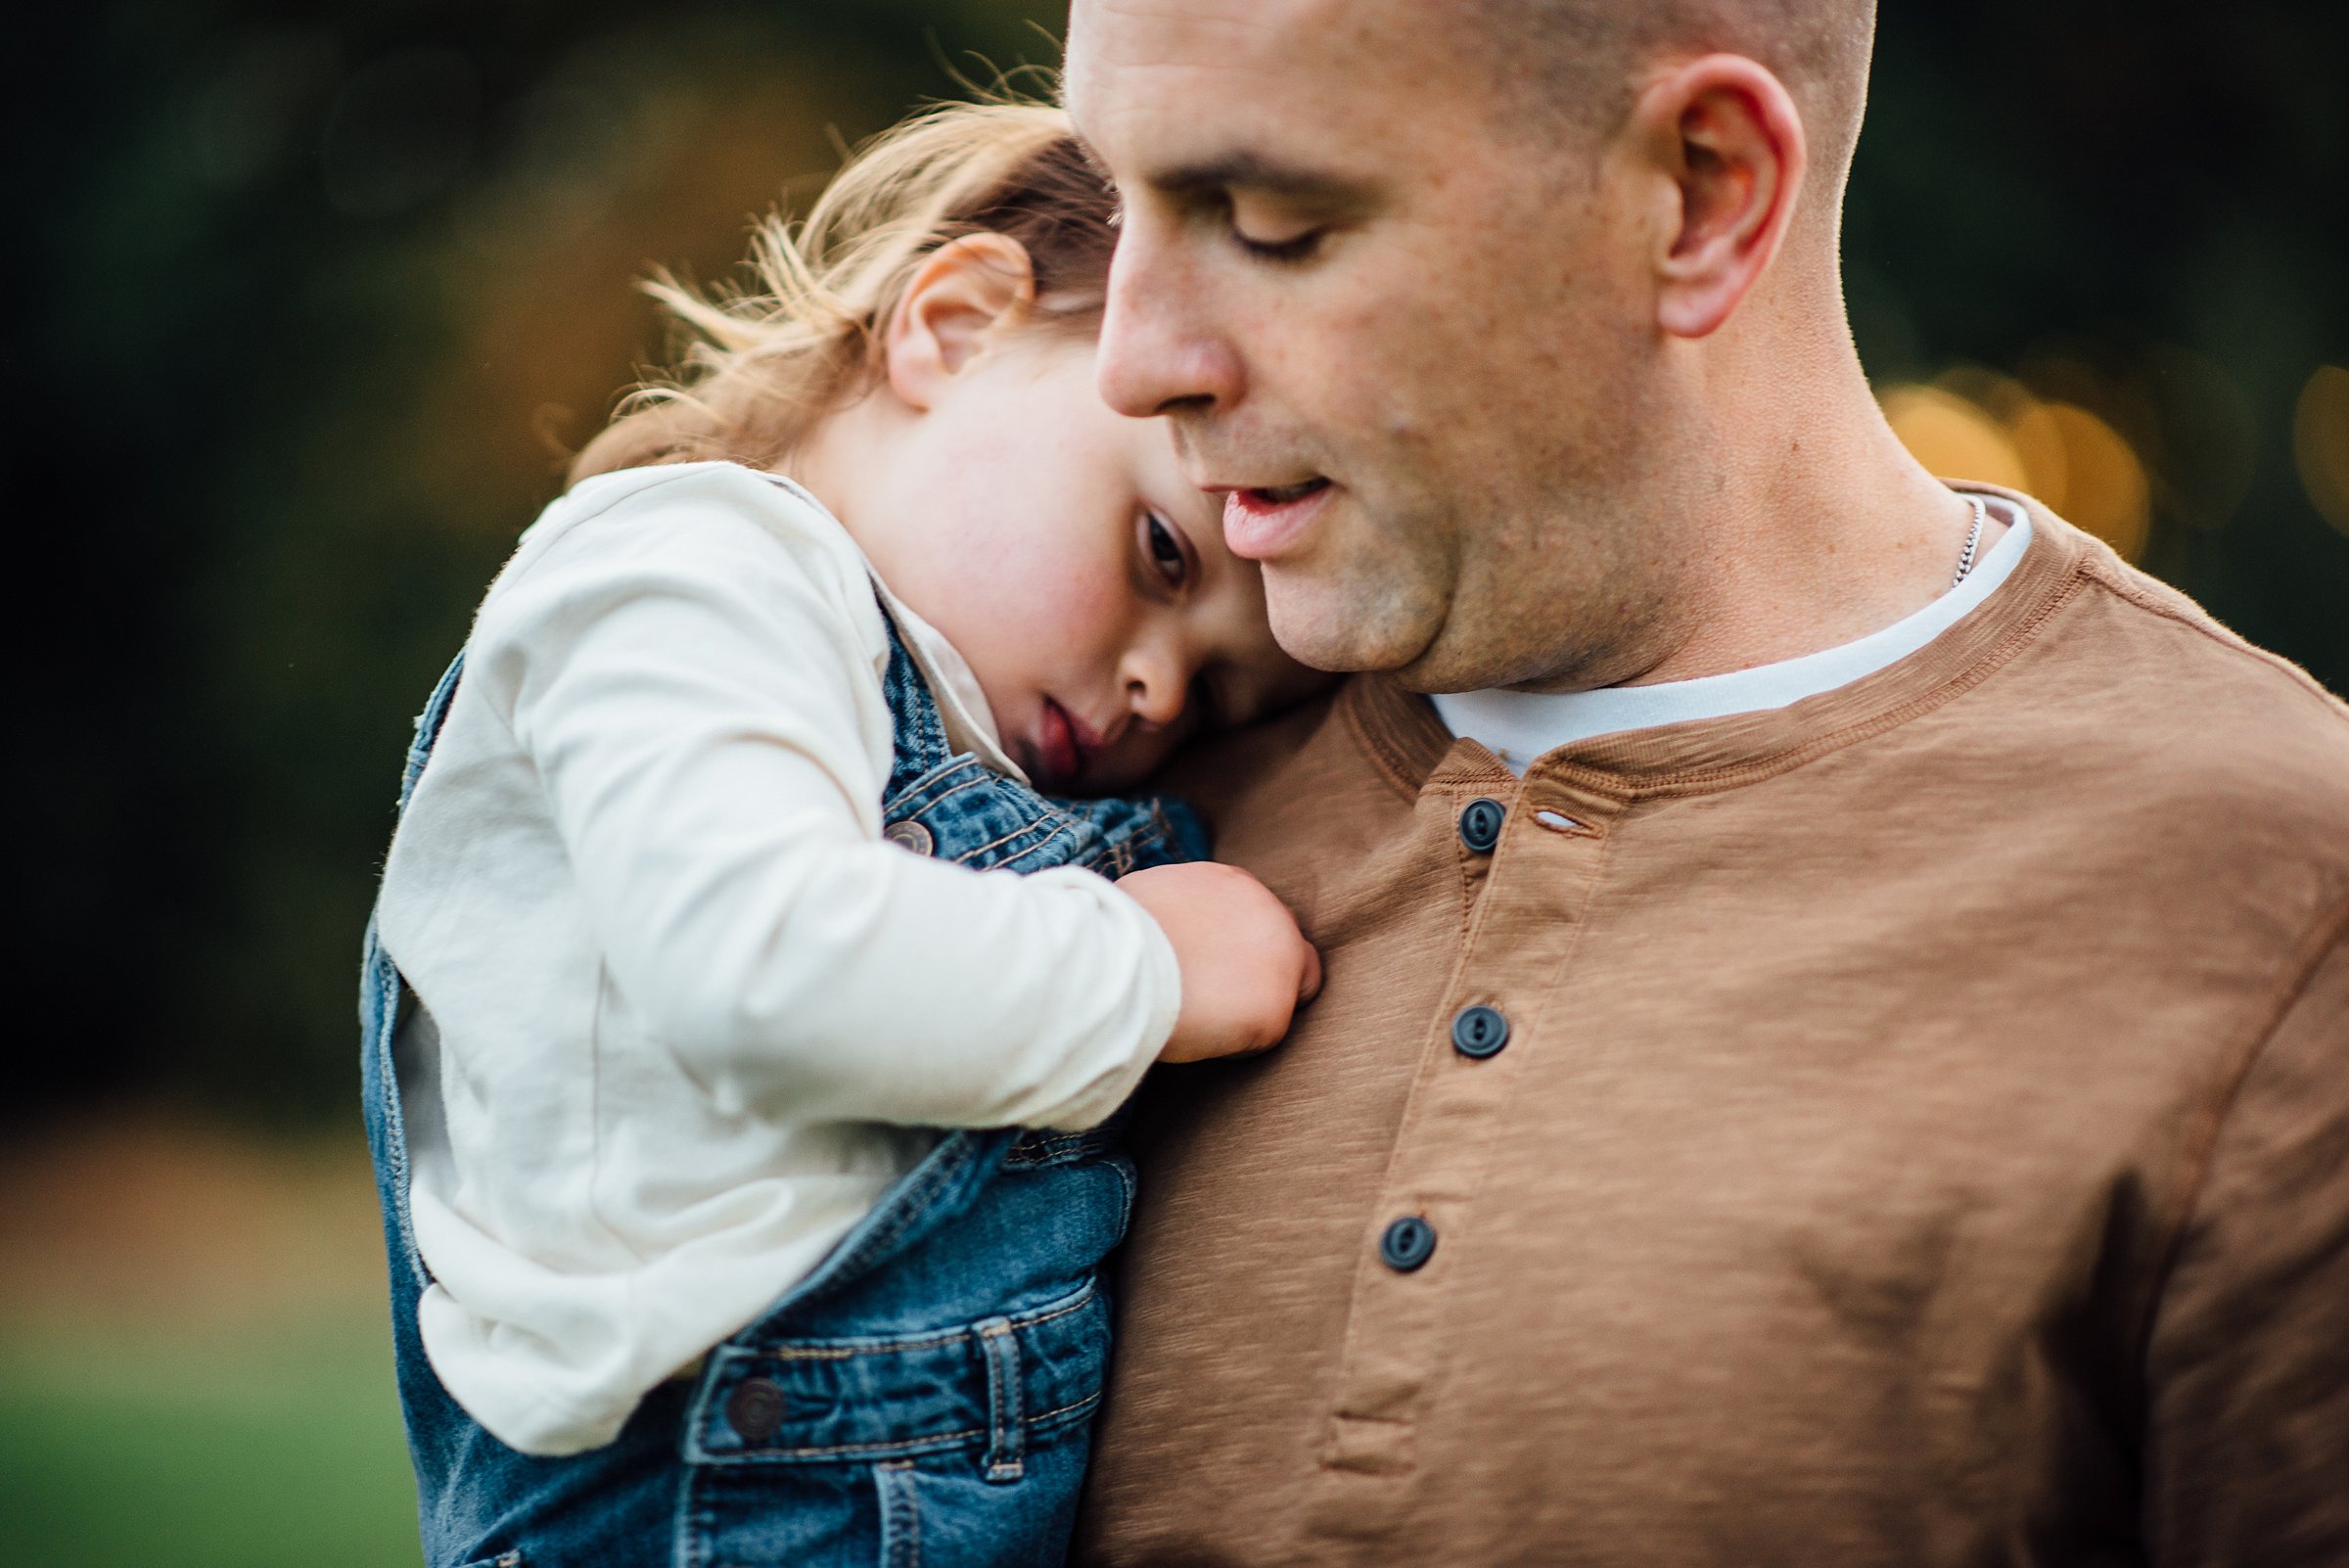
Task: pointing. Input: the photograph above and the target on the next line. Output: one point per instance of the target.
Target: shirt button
(1478, 1032)
(1407, 1243)
(909, 836)
(1480, 824)
(755, 1409)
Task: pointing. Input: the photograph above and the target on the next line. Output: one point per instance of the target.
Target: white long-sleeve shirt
(692, 1012)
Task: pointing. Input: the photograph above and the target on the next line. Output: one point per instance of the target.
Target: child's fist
(1246, 967)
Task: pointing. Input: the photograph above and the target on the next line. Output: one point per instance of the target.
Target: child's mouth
(1061, 746)
(1262, 522)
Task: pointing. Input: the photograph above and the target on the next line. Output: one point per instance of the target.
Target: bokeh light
(2321, 444)
(1974, 423)
(1956, 437)
(2103, 484)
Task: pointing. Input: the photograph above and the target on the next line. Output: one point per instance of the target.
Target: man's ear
(965, 290)
(1728, 140)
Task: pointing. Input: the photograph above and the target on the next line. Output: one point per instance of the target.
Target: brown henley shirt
(1920, 1133)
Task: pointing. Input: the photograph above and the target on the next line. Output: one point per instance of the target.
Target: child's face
(1057, 545)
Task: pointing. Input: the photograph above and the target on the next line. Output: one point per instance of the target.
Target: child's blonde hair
(766, 363)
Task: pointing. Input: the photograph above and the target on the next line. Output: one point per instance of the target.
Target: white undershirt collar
(1518, 726)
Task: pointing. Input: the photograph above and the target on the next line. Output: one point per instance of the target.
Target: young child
(701, 924)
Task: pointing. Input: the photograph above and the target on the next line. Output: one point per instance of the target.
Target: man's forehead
(1122, 55)
(1197, 80)
(1142, 33)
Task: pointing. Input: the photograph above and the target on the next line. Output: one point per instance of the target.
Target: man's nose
(1158, 352)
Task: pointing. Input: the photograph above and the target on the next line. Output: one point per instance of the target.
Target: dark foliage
(309, 298)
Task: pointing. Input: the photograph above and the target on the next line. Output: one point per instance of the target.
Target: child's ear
(966, 290)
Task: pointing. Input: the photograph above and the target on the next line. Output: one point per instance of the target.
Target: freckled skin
(1535, 480)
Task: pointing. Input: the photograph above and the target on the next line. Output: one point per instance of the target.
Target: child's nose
(1156, 684)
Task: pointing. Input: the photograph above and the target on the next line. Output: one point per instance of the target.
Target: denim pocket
(1039, 1150)
(982, 1388)
(934, 1515)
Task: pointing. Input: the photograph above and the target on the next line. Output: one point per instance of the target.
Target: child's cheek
(1073, 614)
(1049, 573)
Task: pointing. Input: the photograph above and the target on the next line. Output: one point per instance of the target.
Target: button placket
(1476, 812)
(1526, 918)
(1478, 1032)
(1406, 1243)
(1480, 824)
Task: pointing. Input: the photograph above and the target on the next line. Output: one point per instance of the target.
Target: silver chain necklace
(1974, 540)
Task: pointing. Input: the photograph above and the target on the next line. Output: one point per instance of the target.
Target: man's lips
(1062, 745)
(1260, 523)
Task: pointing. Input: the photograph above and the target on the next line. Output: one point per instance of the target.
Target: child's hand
(1245, 965)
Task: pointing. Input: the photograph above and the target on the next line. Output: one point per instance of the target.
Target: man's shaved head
(1510, 327)
(1580, 61)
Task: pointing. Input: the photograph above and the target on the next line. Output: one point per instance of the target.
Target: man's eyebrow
(1253, 172)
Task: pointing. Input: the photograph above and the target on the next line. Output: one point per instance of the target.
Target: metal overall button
(1407, 1243)
(909, 836)
(1478, 1032)
(1480, 824)
(755, 1409)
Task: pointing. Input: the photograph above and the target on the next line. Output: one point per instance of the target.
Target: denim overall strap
(382, 995)
(428, 727)
(957, 808)
(919, 741)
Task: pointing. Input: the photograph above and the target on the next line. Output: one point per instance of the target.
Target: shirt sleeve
(696, 686)
(2248, 1366)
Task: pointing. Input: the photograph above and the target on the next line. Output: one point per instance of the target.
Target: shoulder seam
(2210, 630)
(1990, 663)
(2323, 938)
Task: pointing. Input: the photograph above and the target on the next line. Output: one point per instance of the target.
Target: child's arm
(691, 672)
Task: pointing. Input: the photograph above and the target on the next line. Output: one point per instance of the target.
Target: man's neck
(1518, 726)
(1826, 534)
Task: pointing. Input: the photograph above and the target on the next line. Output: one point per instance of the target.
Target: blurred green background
(310, 303)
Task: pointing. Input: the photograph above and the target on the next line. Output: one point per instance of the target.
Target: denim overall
(924, 1396)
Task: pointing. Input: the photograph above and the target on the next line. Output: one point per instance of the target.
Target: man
(1837, 1037)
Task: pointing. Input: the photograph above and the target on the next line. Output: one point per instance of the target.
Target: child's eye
(1166, 555)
